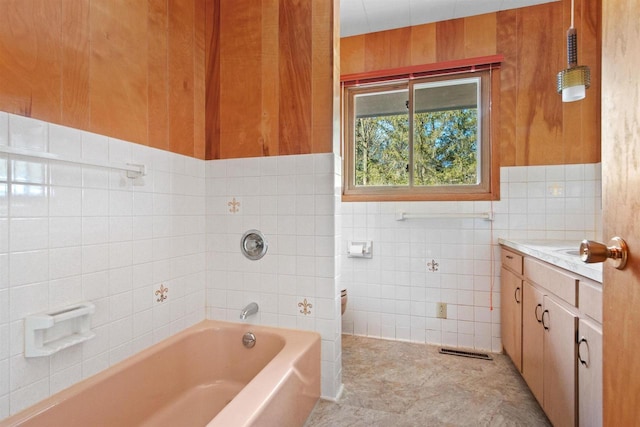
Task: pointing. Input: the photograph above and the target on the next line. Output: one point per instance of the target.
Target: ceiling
(368, 16)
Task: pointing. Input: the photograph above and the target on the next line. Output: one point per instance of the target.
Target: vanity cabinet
(561, 339)
(590, 374)
(532, 340)
(548, 354)
(559, 363)
(511, 306)
(550, 368)
(511, 316)
(590, 356)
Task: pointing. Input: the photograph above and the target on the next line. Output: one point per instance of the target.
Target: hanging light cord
(572, 43)
(573, 81)
(572, 9)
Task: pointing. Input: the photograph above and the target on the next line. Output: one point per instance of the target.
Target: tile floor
(398, 384)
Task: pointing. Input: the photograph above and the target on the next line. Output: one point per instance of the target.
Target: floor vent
(463, 353)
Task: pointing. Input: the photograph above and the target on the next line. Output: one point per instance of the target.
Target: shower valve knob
(591, 252)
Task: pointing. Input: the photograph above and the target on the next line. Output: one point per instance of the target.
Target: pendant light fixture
(576, 79)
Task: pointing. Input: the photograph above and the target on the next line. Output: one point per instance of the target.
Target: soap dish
(49, 332)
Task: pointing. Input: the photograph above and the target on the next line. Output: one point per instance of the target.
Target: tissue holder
(360, 249)
(49, 332)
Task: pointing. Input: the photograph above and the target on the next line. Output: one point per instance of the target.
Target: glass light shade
(573, 83)
(574, 93)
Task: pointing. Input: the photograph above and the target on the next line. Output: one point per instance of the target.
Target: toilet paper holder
(360, 249)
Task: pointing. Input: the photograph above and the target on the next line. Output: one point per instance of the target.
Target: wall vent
(453, 352)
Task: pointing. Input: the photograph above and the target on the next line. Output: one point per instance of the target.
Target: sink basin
(569, 251)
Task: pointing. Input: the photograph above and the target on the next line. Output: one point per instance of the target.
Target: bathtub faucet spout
(249, 310)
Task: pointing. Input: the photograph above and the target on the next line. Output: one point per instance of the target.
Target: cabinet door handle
(539, 319)
(516, 295)
(509, 256)
(544, 325)
(583, 340)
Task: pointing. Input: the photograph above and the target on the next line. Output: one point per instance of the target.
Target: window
(419, 139)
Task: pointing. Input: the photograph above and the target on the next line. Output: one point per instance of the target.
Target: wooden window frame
(488, 189)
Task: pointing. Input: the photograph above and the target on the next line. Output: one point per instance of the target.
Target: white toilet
(343, 300)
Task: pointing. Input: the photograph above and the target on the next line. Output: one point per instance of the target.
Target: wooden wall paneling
(423, 44)
(274, 94)
(539, 108)
(181, 76)
(30, 58)
(322, 93)
(76, 111)
(118, 74)
(507, 45)
(591, 54)
(199, 90)
(352, 54)
(450, 40)
(336, 87)
(158, 84)
(572, 137)
(240, 81)
(584, 147)
(480, 35)
(270, 117)
(295, 44)
(125, 69)
(535, 126)
(387, 49)
(212, 79)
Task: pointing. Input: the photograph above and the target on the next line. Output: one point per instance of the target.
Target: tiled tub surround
(294, 201)
(70, 233)
(419, 262)
(136, 249)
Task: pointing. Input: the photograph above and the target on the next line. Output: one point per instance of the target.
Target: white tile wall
(70, 233)
(394, 294)
(295, 202)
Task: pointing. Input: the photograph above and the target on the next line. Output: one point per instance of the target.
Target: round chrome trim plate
(253, 244)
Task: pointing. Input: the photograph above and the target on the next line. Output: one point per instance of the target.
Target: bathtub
(203, 376)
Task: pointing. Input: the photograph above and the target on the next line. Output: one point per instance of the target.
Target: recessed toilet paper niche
(253, 245)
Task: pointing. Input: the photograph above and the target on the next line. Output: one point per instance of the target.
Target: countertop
(556, 252)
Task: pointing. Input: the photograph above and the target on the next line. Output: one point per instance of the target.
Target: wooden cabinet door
(532, 339)
(559, 361)
(589, 374)
(511, 315)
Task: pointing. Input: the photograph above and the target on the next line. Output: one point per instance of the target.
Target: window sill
(440, 197)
